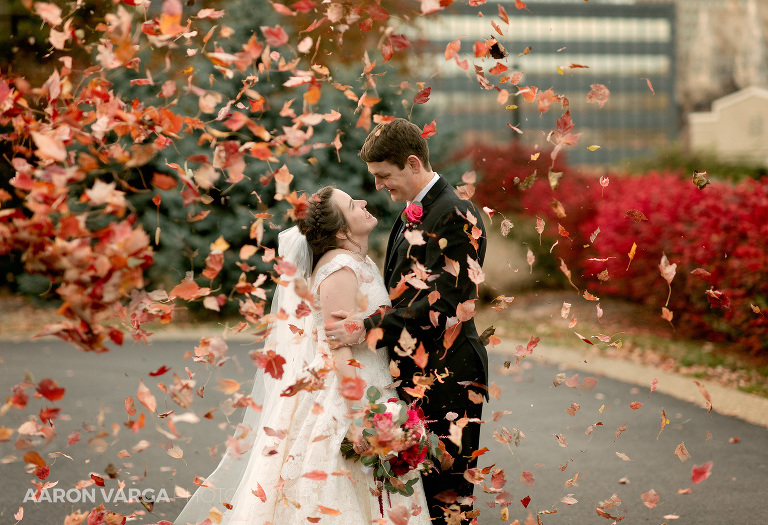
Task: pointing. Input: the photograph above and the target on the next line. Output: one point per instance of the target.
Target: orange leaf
(317, 475)
(420, 357)
(329, 511)
(466, 310)
(34, 458)
(352, 388)
(650, 498)
(188, 290)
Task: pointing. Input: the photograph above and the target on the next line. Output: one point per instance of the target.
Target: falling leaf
(623, 456)
(598, 94)
(175, 452)
(352, 388)
(270, 361)
(682, 453)
(636, 215)
(573, 409)
(700, 473)
(561, 440)
(717, 298)
(705, 393)
(430, 130)
(631, 254)
(635, 405)
(700, 179)
(666, 314)
(49, 389)
(650, 86)
(527, 478)
(668, 273)
(145, 397)
(422, 97)
(506, 226)
(650, 498)
(593, 147)
(521, 351)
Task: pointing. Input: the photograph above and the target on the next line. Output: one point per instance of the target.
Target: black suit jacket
(466, 360)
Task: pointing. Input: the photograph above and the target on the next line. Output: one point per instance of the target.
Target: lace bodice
(375, 369)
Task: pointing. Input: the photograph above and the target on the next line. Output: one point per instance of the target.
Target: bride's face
(359, 221)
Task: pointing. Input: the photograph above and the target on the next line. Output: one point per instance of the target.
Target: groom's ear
(414, 163)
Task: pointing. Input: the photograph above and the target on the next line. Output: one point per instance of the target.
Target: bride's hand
(359, 443)
(345, 330)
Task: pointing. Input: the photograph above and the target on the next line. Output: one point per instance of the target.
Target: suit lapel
(395, 240)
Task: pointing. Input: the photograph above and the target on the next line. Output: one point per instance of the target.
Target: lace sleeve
(342, 260)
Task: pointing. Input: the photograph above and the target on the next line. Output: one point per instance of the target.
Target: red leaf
(271, 362)
(48, 414)
(700, 473)
(98, 480)
(422, 97)
(525, 501)
(430, 130)
(399, 42)
(160, 371)
(49, 389)
(275, 36)
(718, 298)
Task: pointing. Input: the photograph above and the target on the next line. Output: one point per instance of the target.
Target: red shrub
(722, 229)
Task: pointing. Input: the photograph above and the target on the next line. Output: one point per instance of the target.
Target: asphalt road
(96, 386)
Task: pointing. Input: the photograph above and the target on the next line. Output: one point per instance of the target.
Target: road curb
(726, 401)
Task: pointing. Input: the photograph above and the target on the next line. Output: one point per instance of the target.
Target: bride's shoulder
(332, 261)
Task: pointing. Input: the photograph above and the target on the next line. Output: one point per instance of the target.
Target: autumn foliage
(715, 236)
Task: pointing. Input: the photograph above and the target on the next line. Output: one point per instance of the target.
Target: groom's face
(399, 183)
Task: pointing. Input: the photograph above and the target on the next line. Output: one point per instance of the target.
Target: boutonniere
(412, 213)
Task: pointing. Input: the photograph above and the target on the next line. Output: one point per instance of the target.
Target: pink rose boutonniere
(412, 213)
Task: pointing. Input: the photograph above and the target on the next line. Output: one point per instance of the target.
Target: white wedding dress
(295, 469)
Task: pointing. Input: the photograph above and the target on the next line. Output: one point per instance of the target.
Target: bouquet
(395, 441)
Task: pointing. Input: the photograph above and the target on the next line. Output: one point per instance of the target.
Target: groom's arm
(416, 311)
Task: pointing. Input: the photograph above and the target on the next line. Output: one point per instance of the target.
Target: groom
(456, 368)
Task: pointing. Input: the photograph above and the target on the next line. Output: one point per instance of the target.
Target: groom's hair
(395, 141)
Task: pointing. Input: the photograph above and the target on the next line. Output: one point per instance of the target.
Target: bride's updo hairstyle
(323, 221)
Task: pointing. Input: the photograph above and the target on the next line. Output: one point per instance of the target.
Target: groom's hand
(345, 330)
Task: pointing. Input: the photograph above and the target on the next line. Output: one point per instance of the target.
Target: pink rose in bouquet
(396, 441)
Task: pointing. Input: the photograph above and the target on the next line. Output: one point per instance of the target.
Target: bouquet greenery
(394, 441)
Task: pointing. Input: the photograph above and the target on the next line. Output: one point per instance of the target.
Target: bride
(284, 465)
